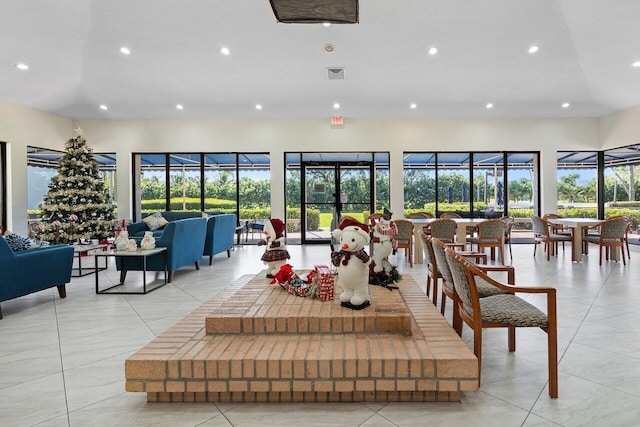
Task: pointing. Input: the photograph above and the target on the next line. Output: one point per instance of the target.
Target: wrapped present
(326, 282)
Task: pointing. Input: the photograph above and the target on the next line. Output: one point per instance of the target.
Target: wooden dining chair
(508, 226)
(448, 288)
(611, 234)
(544, 233)
(490, 235)
(405, 237)
(433, 275)
(418, 215)
(503, 311)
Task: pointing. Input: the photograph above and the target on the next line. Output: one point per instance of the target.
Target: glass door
(333, 190)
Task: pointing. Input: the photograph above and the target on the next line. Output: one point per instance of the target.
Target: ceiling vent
(334, 73)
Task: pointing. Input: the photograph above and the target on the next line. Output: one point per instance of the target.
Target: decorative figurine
(131, 245)
(148, 241)
(276, 254)
(122, 240)
(353, 263)
(384, 231)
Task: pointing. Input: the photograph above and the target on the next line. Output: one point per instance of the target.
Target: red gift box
(326, 282)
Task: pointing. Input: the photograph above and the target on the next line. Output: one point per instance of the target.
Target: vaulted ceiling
(586, 49)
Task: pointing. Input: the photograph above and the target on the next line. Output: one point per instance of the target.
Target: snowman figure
(384, 231)
(353, 263)
(275, 254)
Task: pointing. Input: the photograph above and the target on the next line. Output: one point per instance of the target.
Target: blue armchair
(184, 240)
(34, 270)
(220, 231)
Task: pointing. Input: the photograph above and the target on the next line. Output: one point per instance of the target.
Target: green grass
(325, 218)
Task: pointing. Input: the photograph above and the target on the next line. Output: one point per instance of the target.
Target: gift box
(326, 282)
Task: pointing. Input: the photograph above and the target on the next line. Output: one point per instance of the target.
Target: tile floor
(62, 361)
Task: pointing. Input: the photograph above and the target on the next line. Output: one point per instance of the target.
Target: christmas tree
(77, 206)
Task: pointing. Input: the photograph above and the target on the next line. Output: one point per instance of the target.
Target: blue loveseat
(34, 270)
(221, 227)
(184, 240)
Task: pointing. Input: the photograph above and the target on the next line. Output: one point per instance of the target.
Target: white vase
(122, 240)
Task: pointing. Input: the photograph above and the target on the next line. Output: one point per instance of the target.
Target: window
(473, 184)
(578, 184)
(212, 182)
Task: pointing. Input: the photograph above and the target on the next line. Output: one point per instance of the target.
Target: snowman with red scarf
(353, 263)
(276, 254)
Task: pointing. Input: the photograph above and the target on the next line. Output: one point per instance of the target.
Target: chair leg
(457, 320)
(62, 291)
(600, 255)
(435, 291)
(552, 349)
(428, 283)
(444, 300)
(624, 257)
(0, 312)
(197, 265)
(535, 248)
(170, 276)
(512, 338)
(210, 259)
(123, 275)
(477, 348)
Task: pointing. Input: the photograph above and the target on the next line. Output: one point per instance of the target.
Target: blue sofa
(34, 270)
(184, 240)
(221, 227)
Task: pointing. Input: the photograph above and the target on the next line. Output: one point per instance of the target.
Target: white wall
(20, 127)
(620, 129)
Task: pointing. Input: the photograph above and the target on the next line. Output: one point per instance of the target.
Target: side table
(140, 253)
(82, 251)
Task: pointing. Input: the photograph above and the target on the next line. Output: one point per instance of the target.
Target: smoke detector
(336, 73)
(329, 48)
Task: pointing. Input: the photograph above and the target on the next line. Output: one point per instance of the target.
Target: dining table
(577, 226)
(420, 223)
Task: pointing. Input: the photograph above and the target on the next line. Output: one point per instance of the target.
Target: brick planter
(254, 342)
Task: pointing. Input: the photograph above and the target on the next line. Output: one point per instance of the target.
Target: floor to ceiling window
(578, 184)
(478, 184)
(321, 188)
(210, 182)
(622, 185)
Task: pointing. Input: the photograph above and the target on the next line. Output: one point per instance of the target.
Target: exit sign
(337, 120)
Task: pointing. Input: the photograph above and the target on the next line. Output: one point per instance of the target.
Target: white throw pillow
(155, 221)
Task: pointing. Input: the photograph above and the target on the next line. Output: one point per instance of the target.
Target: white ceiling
(72, 47)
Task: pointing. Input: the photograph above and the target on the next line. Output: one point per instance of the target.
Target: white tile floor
(62, 361)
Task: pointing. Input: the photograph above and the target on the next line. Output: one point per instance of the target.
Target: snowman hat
(352, 224)
(278, 227)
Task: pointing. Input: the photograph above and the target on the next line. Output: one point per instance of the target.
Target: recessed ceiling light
(533, 49)
(225, 51)
(636, 64)
(566, 105)
(258, 106)
(336, 106)
(489, 105)
(104, 107)
(180, 106)
(433, 50)
(22, 66)
(125, 50)
(326, 24)
(413, 106)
